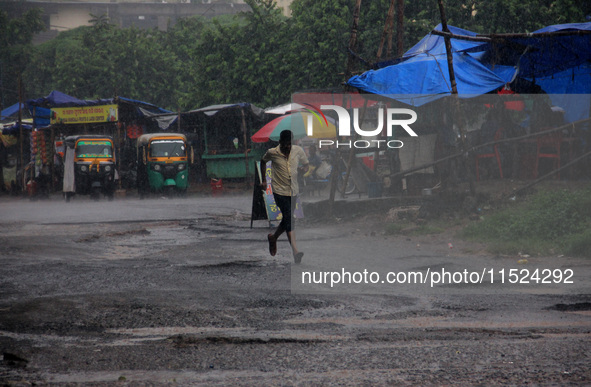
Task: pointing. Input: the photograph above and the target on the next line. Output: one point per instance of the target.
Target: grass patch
(411, 229)
(394, 228)
(579, 245)
(549, 222)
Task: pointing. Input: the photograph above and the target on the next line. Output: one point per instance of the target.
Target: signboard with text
(84, 114)
(273, 212)
(264, 206)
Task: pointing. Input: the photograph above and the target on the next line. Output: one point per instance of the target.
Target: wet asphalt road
(183, 292)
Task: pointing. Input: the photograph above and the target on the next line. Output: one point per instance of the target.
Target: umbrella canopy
(283, 109)
(298, 124)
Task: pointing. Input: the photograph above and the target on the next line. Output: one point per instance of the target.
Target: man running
(286, 161)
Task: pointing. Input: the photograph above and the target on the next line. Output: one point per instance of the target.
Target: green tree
(100, 21)
(261, 56)
(104, 61)
(16, 36)
(236, 61)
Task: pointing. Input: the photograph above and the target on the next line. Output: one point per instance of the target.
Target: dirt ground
(127, 296)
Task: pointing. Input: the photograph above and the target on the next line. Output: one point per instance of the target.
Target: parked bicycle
(321, 177)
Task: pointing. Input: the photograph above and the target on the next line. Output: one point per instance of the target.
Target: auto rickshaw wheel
(95, 194)
(170, 191)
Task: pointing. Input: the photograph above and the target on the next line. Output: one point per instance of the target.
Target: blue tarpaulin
(422, 75)
(11, 112)
(41, 108)
(57, 99)
(14, 130)
(549, 50)
(153, 109)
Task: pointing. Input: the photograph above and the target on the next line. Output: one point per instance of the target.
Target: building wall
(284, 4)
(67, 18)
(62, 16)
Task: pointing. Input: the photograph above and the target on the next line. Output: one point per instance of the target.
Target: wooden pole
(334, 176)
(448, 49)
(21, 131)
(400, 28)
(387, 32)
(353, 40)
(51, 163)
(244, 130)
(352, 155)
(179, 120)
(455, 100)
(119, 142)
(348, 73)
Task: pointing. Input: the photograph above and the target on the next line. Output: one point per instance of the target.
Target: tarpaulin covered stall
(153, 117)
(11, 112)
(224, 132)
(545, 57)
(119, 117)
(554, 61)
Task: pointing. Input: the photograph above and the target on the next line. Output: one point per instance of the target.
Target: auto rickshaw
(163, 164)
(90, 163)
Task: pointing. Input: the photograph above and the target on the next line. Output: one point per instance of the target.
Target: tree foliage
(15, 47)
(260, 57)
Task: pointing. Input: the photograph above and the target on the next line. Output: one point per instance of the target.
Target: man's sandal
(272, 244)
(298, 257)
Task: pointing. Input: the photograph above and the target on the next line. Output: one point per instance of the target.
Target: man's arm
(269, 154)
(304, 161)
(266, 158)
(304, 168)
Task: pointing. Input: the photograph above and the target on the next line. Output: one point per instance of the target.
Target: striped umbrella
(298, 123)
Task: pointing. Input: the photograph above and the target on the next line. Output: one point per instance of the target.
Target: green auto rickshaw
(89, 166)
(163, 164)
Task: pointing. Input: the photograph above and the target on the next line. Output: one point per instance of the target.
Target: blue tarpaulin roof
(11, 112)
(57, 99)
(14, 130)
(548, 54)
(215, 109)
(145, 105)
(422, 74)
(41, 107)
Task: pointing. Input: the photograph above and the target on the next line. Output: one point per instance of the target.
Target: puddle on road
(179, 377)
(214, 331)
(145, 240)
(149, 239)
(198, 335)
(437, 322)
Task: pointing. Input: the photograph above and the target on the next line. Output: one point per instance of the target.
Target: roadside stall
(15, 123)
(527, 87)
(227, 149)
(122, 119)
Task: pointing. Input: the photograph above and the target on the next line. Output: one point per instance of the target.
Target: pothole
(186, 336)
(578, 307)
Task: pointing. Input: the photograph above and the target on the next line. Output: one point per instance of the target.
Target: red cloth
(134, 131)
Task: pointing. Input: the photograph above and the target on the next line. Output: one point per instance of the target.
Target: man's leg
(291, 236)
(272, 238)
(297, 255)
(284, 204)
(292, 241)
